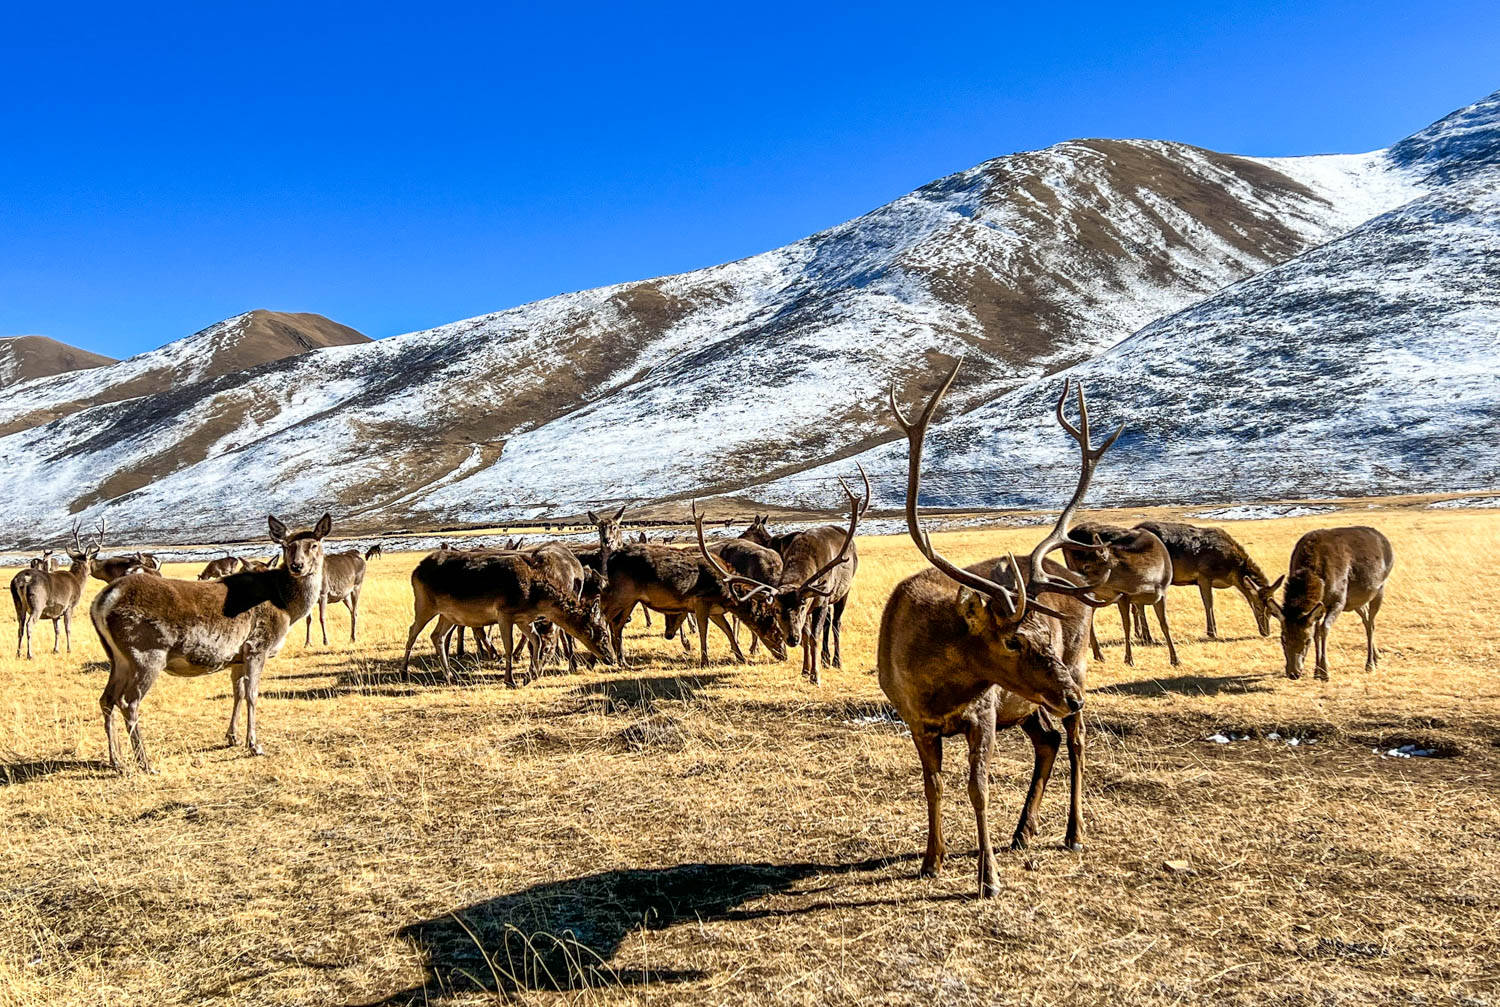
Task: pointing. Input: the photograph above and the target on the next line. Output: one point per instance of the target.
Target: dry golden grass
(667, 835)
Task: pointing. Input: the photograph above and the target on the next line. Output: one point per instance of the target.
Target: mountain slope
(23, 358)
(244, 341)
(1366, 366)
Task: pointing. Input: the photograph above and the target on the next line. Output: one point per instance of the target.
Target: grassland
(667, 835)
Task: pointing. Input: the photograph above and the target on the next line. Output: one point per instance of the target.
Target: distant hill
(235, 344)
(25, 357)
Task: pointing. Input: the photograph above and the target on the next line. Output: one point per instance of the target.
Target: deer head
(1264, 603)
(1299, 614)
(301, 552)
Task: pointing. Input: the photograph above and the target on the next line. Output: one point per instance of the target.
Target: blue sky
(397, 167)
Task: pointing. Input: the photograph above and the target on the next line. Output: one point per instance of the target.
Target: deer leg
(1125, 619)
(133, 727)
(734, 645)
(419, 622)
(67, 627)
(323, 616)
(1161, 617)
(703, 641)
(1094, 638)
(254, 664)
(838, 631)
(981, 740)
(1206, 589)
(308, 641)
(458, 649)
(1320, 639)
(1075, 730)
(1372, 656)
(810, 642)
(646, 614)
(352, 604)
(930, 751)
(508, 639)
(1046, 741)
(108, 699)
(237, 692)
(1142, 626)
(54, 636)
(682, 633)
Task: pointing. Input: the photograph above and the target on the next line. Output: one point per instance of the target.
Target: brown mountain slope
(25, 357)
(235, 344)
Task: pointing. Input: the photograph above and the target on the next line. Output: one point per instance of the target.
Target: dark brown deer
(52, 594)
(221, 567)
(1332, 570)
(969, 650)
(488, 587)
(46, 561)
(1211, 558)
(1128, 566)
(112, 569)
(150, 625)
(343, 580)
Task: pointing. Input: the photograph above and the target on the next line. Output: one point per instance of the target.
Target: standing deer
(52, 594)
(149, 625)
(46, 561)
(343, 579)
(1211, 558)
(969, 650)
(1129, 566)
(1332, 570)
(479, 588)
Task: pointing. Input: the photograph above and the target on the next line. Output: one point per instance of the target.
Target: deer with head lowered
(52, 594)
(486, 587)
(150, 625)
(1332, 570)
(112, 569)
(1211, 558)
(967, 650)
(343, 579)
(1129, 566)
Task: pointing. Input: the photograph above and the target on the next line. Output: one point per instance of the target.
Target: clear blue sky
(397, 167)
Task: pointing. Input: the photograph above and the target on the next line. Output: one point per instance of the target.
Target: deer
(46, 561)
(969, 650)
(1130, 566)
(476, 589)
(676, 582)
(343, 579)
(53, 594)
(1332, 570)
(188, 628)
(1211, 558)
(112, 569)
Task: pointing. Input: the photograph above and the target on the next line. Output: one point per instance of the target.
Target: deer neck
(297, 595)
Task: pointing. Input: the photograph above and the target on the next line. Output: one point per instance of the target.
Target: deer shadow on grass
(1187, 685)
(562, 935)
(637, 694)
(25, 772)
(378, 677)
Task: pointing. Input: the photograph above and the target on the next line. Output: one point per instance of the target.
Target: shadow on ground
(562, 935)
(628, 695)
(25, 772)
(1187, 685)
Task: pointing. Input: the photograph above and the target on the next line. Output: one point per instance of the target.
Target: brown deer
(46, 561)
(52, 594)
(221, 567)
(112, 569)
(1211, 558)
(1129, 566)
(969, 650)
(1332, 570)
(343, 579)
(485, 587)
(150, 625)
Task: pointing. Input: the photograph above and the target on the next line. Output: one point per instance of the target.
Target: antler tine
(868, 495)
(916, 434)
(729, 575)
(77, 527)
(102, 525)
(1039, 580)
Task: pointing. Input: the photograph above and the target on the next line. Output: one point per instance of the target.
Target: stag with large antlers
(967, 650)
(40, 593)
(150, 625)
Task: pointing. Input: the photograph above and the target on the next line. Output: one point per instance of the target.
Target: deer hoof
(255, 749)
(230, 740)
(1018, 843)
(1073, 846)
(929, 871)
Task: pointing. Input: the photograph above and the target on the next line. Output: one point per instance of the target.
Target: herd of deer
(962, 650)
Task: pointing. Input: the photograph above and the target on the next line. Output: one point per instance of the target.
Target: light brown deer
(343, 580)
(150, 625)
(112, 569)
(969, 650)
(46, 561)
(1211, 558)
(52, 594)
(1332, 570)
(1128, 566)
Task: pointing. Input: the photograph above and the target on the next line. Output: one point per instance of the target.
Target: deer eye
(1011, 643)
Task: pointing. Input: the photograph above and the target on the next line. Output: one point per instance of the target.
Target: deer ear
(1319, 610)
(593, 518)
(972, 607)
(1278, 582)
(323, 527)
(278, 530)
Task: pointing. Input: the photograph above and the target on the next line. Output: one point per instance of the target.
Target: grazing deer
(221, 567)
(343, 579)
(112, 569)
(52, 594)
(479, 588)
(748, 559)
(1211, 558)
(969, 650)
(1129, 566)
(1332, 570)
(149, 625)
(46, 561)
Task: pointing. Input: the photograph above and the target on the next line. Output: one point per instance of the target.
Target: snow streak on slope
(1366, 366)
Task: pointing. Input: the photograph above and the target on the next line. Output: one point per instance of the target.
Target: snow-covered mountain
(753, 378)
(23, 358)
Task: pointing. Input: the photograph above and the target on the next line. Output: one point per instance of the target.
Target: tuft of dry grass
(669, 834)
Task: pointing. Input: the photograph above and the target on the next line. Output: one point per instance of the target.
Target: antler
(856, 511)
(730, 577)
(1012, 606)
(99, 541)
(1040, 581)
